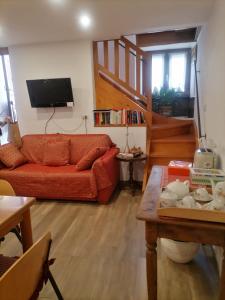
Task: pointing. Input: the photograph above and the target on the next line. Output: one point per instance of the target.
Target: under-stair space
(122, 81)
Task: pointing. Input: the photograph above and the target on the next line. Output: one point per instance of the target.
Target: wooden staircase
(166, 138)
(172, 140)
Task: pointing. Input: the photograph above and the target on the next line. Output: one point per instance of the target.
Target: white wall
(212, 77)
(66, 59)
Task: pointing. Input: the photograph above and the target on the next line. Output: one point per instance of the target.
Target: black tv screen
(50, 92)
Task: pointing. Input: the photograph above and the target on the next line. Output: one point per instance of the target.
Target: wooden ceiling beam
(166, 37)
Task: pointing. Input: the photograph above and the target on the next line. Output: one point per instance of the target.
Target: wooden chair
(7, 190)
(25, 277)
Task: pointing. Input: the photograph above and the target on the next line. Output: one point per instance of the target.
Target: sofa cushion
(33, 145)
(80, 144)
(87, 160)
(56, 153)
(11, 156)
(83, 143)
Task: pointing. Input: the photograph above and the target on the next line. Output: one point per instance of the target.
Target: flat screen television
(50, 92)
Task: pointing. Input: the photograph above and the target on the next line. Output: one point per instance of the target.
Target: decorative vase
(179, 252)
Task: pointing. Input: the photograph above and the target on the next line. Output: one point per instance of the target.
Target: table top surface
(10, 206)
(147, 210)
(137, 158)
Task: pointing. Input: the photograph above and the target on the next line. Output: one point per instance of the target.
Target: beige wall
(212, 77)
(66, 59)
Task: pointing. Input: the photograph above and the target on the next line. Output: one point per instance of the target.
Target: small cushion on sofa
(87, 160)
(56, 153)
(11, 156)
(81, 144)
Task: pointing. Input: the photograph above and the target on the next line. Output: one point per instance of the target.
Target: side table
(131, 161)
(185, 230)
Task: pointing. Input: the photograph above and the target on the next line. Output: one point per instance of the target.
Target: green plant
(166, 96)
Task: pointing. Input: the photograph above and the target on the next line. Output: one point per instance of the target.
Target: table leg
(131, 171)
(151, 265)
(26, 230)
(222, 279)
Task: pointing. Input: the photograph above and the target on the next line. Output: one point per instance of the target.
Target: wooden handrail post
(127, 63)
(95, 58)
(138, 72)
(147, 66)
(149, 102)
(106, 55)
(132, 45)
(116, 58)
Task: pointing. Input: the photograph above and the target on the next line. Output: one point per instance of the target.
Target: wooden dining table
(15, 211)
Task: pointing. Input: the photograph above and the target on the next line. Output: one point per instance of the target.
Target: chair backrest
(22, 278)
(6, 189)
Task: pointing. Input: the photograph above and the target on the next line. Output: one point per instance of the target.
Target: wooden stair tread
(152, 155)
(184, 138)
(169, 126)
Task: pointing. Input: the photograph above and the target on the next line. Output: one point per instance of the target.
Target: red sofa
(64, 182)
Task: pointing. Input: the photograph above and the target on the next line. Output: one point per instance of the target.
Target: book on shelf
(118, 117)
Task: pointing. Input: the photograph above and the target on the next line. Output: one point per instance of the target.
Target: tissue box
(179, 168)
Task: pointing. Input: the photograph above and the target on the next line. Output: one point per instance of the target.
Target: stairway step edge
(156, 155)
(173, 141)
(166, 126)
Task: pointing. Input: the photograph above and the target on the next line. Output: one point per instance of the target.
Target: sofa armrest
(106, 169)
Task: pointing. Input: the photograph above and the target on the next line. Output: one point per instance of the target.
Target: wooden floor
(100, 251)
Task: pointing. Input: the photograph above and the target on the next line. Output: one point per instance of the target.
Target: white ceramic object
(187, 201)
(218, 189)
(181, 189)
(216, 204)
(202, 194)
(179, 252)
(168, 199)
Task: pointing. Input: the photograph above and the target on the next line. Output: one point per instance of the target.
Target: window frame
(166, 54)
(5, 51)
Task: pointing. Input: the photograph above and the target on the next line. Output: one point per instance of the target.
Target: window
(171, 69)
(177, 71)
(7, 101)
(157, 71)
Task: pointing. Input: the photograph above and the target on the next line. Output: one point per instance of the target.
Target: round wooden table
(131, 161)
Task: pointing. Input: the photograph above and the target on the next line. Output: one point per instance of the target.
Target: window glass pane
(10, 86)
(177, 71)
(3, 96)
(157, 71)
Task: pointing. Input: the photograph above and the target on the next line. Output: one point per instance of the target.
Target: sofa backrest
(80, 144)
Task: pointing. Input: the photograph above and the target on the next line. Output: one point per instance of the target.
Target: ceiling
(34, 21)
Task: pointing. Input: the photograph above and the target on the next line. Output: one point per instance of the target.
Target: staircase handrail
(132, 45)
(105, 71)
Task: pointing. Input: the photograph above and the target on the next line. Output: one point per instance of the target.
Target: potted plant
(165, 98)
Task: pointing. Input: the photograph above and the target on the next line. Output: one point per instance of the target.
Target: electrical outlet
(84, 117)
